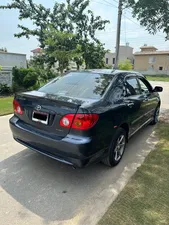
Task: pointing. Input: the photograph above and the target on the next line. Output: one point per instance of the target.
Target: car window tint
(132, 87)
(144, 87)
(116, 94)
(79, 85)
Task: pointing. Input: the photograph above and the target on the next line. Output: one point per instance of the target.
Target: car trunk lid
(44, 111)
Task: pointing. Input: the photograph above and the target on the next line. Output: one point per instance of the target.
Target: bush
(24, 79)
(5, 89)
(16, 88)
(108, 66)
(30, 78)
(19, 77)
(125, 65)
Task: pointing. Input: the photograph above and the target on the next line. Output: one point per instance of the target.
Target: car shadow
(55, 191)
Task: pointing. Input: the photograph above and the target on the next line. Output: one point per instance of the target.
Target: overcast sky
(131, 31)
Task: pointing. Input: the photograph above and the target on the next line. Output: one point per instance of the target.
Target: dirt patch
(164, 116)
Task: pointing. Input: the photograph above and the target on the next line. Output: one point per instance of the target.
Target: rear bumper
(72, 150)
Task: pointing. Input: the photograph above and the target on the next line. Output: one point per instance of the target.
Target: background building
(152, 61)
(37, 52)
(125, 52)
(8, 60)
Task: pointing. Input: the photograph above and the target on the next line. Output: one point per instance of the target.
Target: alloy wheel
(119, 148)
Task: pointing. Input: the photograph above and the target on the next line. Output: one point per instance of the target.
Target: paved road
(38, 190)
(165, 94)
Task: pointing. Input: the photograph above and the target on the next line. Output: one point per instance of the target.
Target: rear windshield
(79, 85)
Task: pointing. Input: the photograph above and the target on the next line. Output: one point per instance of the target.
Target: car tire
(115, 153)
(156, 115)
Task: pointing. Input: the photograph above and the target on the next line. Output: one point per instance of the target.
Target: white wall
(6, 76)
(11, 59)
(110, 57)
(155, 72)
(125, 52)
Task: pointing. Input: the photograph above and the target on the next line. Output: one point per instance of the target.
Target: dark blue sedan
(85, 117)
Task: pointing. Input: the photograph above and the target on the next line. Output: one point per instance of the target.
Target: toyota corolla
(85, 117)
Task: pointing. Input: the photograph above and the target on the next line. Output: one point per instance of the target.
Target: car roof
(100, 71)
(112, 71)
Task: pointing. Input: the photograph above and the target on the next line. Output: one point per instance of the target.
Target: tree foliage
(62, 47)
(71, 25)
(125, 65)
(44, 73)
(71, 17)
(93, 54)
(152, 14)
(24, 78)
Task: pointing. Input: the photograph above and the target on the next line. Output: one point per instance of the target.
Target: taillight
(17, 108)
(79, 121)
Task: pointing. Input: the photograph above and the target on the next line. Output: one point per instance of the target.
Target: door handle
(146, 100)
(130, 104)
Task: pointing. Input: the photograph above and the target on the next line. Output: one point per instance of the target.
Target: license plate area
(40, 117)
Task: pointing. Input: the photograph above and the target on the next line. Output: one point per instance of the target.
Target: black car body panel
(75, 147)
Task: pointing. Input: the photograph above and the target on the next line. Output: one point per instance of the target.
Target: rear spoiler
(61, 100)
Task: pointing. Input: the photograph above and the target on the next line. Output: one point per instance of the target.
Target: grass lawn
(158, 78)
(145, 199)
(6, 105)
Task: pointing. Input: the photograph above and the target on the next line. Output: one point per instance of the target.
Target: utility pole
(118, 34)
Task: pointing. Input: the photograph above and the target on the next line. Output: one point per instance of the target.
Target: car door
(134, 104)
(149, 100)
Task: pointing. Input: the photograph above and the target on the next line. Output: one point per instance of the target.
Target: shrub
(24, 79)
(108, 66)
(125, 65)
(19, 76)
(30, 78)
(5, 89)
(16, 88)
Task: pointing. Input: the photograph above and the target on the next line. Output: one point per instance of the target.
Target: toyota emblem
(38, 107)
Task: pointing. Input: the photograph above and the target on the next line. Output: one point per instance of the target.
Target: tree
(71, 17)
(44, 72)
(93, 54)
(38, 14)
(79, 61)
(0, 67)
(125, 65)
(152, 14)
(62, 47)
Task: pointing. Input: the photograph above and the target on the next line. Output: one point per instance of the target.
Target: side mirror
(158, 89)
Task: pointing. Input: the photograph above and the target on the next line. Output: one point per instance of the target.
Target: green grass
(158, 78)
(145, 199)
(6, 106)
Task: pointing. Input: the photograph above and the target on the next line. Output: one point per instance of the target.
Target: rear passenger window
(132, 87)
(116, 94)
